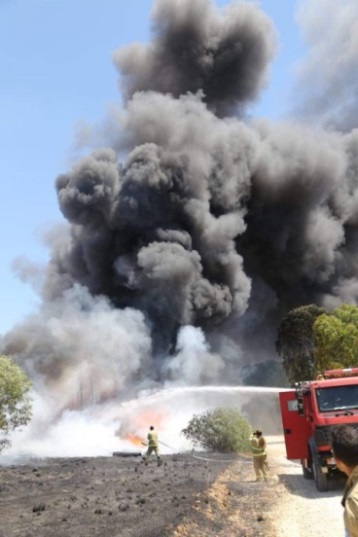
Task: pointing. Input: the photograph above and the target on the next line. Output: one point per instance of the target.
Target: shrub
(223, 430)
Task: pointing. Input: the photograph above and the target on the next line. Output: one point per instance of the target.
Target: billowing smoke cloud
(195, 48)
(164, 221)
(190, 238)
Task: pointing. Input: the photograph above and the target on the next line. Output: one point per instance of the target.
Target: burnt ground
(188, 496)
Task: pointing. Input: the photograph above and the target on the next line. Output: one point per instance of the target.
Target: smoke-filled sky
(190, 215)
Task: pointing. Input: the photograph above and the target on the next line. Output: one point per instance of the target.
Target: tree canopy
(295, 342)
(311, 340)
(336, 339)
(223, 430)
(15, 401)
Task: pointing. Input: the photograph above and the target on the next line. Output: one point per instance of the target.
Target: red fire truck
(309, 411)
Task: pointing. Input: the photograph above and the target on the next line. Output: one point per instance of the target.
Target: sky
(57, 76)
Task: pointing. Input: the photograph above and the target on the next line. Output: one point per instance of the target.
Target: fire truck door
(295, 427)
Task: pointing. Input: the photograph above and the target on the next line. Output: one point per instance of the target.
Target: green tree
(223, 430)
(336, 339)
(15, 401)
(296, 343)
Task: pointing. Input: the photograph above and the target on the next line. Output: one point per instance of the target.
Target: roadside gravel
(286, 506)
(302, 511)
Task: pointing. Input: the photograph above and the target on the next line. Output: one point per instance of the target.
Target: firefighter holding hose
(259, 455)
(153, 445)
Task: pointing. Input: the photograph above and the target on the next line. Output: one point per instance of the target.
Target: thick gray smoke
(192, 236)
(158, 233)
(195, 48)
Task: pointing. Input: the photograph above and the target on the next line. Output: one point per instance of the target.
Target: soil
(189, 495)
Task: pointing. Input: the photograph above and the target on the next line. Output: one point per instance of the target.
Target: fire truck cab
(308, 413)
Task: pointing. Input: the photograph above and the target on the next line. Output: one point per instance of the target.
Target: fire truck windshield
(337, 398)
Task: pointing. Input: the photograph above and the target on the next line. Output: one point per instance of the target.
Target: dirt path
(301, 510)
(287, 505)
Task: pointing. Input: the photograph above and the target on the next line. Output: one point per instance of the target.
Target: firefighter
(345, 449)
(259, 455)
(153, 445)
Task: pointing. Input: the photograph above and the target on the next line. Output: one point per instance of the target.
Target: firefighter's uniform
(258, 448)
(350, 504)
(152, 446)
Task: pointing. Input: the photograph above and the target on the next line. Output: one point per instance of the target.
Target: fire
(138, 423)
(134, 439)
(148, 417)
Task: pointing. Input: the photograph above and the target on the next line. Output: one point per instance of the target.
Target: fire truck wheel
(319, 477)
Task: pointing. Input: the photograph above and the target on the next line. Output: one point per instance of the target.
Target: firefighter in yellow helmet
(153, 445)
(259, 455)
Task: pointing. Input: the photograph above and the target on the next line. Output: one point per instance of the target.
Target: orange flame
(134, 439)
(138, 423)
(147, 417)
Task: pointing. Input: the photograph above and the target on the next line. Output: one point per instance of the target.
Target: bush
(223, 430)
(15, 403)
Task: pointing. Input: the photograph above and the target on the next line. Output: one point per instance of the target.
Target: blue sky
(56, 65)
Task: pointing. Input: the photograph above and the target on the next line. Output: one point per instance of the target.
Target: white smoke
(193, 364)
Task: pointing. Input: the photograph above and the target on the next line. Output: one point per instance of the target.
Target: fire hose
(201, 458)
